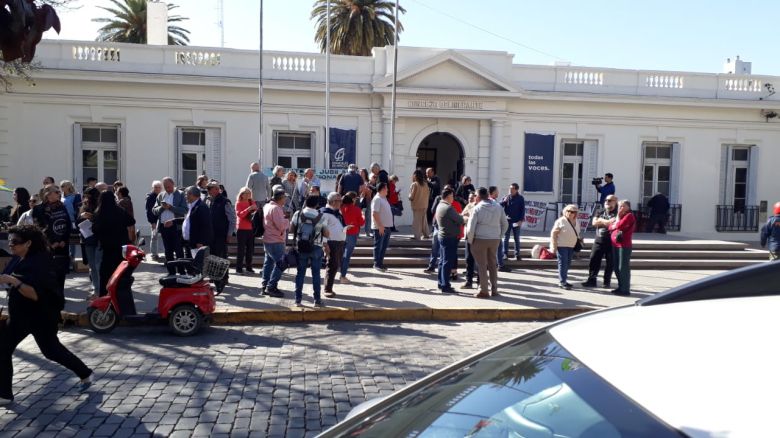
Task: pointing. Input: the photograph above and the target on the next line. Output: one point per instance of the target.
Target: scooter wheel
(185, 320)
(102, 321)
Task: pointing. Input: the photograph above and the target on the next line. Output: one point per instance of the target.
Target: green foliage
(356, 26)
(127, 24)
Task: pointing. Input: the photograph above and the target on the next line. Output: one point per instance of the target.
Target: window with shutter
(96, 153)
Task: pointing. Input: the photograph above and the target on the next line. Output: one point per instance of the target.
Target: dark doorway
(444, 154)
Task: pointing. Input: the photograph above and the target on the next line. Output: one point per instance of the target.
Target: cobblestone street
(283, 380)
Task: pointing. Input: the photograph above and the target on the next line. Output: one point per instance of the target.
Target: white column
(387, 139)
(496, 150)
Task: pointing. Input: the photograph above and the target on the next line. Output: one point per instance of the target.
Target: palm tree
(128, 24)
(356, 26)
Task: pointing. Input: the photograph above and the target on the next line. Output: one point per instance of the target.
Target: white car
(678, 364)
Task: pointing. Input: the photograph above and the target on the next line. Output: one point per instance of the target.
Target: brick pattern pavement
(283, 380)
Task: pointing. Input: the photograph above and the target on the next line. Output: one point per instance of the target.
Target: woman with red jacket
(621, 231)
(353, 215)
(245, 236)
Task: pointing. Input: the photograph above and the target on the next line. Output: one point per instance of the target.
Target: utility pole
(327, 86)
(260, 91)
(221, 14)
(393, 98)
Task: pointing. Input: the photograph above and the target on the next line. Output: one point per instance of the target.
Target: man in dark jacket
(659, 213)
(514, 208)
(770, 234)
(197, 230)
(448, 225)
(602, 244)
(435, 184)
(223, 219)
(171, 207)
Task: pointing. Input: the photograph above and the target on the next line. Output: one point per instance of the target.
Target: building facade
(710, 142)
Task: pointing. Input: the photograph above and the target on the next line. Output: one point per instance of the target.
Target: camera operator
(606, 189)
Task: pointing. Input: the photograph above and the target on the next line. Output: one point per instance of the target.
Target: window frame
(295, 156)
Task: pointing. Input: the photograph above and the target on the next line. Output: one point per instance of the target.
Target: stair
(648, 254)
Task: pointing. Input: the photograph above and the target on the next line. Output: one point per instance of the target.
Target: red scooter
(186, 301)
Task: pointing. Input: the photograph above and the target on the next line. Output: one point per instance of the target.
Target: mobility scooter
(186, 300)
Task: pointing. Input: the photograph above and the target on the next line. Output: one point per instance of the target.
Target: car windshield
(533, 388)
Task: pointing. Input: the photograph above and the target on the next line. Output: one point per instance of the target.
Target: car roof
(706, 368)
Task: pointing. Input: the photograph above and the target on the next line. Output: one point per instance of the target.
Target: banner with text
(534, 215)
(343, 143)
(539, 159)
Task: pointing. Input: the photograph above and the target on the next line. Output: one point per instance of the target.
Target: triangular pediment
(448, 70)
(450, 75)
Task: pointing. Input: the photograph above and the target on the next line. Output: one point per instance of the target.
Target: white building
(138, 113)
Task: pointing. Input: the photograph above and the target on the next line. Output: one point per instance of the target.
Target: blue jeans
(500, 254)
(316, 265)
(367, 215)
(380, 247)
(271, 271)
(448, 260)
(94, 267)
(564, 261)
(515, 231)
(435, 249)
(349, 248)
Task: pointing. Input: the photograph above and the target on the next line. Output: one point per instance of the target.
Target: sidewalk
(398, 295)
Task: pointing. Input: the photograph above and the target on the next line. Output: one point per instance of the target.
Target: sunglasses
(14, 242)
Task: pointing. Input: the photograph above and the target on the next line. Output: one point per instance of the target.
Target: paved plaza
(271, 380)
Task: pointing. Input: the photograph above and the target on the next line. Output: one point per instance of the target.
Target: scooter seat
(178, 280)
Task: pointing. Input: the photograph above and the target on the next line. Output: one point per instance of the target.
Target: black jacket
(201, 231)
(37, 271)
(55, 223)
(151, 200)
(219, 221)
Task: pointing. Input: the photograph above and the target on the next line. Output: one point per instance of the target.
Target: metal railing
(673, 219)
(736, 218)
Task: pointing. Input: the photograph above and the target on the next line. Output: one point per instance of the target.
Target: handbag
(578, 245)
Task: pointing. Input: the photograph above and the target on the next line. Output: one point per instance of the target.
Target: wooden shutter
(177, 156)
(674, 183)
(77, 158)
(752, 183)
(214, 153)
(589, 170)
(724, 172)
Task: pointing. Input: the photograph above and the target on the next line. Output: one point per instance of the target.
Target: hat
(279, 190)
(777, 208)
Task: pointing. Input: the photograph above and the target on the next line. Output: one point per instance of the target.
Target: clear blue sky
(687, 35)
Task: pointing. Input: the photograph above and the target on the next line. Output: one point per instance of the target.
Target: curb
(248, 317)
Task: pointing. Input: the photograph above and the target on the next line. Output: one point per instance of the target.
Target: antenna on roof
(221, 23)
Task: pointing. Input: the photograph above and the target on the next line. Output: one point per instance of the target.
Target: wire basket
(215, 267)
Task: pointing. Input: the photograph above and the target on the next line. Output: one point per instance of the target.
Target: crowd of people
(291, 213)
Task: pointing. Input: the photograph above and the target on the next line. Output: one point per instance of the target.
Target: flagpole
(393, 99)
(260, 90)
(327, 86)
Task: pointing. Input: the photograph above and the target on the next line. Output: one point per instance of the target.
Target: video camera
(597, 181)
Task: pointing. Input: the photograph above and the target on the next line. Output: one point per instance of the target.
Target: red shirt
(392, 195)
(353, 215)
(626, 224)
(459, 209)
(244, 215)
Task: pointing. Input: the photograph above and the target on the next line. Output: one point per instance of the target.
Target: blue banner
(539, 163)
(343, 143)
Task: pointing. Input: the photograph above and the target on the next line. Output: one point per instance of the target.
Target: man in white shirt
(382, 221)
(170, 208)
(337, 237)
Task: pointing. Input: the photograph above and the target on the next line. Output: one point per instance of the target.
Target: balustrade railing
(736, 218)
(294, 63)
(664, 81)
(645, 222)
(743, 84)
(95, 53)
(584, 78)
(198, 58)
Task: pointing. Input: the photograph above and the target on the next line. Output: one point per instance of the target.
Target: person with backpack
(34, 305)
(275, 224)
(337, 236)
(310, 231)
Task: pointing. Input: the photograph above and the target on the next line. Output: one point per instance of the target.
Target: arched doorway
(444, 153)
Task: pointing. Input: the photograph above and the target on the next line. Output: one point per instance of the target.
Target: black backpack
(306, 232)
(258, 226)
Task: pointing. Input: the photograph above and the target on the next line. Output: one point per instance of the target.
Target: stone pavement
(401, 294)
(287, 380)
